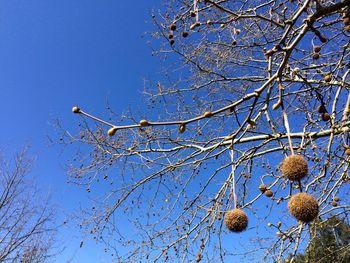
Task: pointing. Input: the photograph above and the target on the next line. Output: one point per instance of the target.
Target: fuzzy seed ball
(173, 27)
(303, 207)
(346, 21)
(317, 49)
(184, 34)
(182, 128)
(334, 203)
(327, 78)
(262, 188)
(294, 167)
(75, 109)
(144, 123)
(112, 131)
(336, 199)
(316, 56)
(347, 152)
(236, 220)
(268, 193)
(325, 116)
(321, 109)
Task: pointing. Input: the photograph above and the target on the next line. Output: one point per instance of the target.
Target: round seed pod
(112, 131)
(208, 114)
(184, 34)
(144, 123)
(334, 203)
(347, 152)
(315, 56)
(303, 207)
(192, 14)
(317, 49)
(173, 27)
(171, 41)
(347, 28)
(75, 109)
(182, 128)
(336, 199)
(346, 21)
(262, 188)
(325, 116)
(321, 109)
(268, 193)
(170, 36)
(294, 167)
(210, 22)
(327, 78)
(236, 220)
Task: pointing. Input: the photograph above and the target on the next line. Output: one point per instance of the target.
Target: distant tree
(26, 219)
(252, 114)
(329, 243)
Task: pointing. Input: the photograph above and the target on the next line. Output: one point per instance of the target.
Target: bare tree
(250, 125)
(26, 220)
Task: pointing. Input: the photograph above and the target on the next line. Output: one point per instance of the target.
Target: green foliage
(329, 243)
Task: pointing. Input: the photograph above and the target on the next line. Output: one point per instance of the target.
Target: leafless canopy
(249, 83)
(26, 227)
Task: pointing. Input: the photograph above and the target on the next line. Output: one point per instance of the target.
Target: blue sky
(56, 54)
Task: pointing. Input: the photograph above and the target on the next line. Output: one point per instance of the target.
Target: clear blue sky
(56, 54)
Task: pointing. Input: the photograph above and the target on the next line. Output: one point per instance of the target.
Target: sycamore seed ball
(236, 220)
(268, 193)
(294, 167)
(262, 188)
(75, 109)
(144, 123)
(303, 207)
(112, 131)
(327, 78)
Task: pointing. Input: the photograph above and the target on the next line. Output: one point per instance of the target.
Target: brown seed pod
(182, 128)
(346, 21)
(347, 152)
(294, 167)
(112, 131)
(75, 109)
(170, 36)
(317, 49)
(336, 199)
(171, 41)
(268, 193)
(173, 27)
(184, 34)
(210, 22)
(192, 14)
(262, 188)
(334, 203)
(236, 220)
(327, 78)
(208, 114)
(315, 56)
(347, 28)
(303, 207)
(321, 109)
(144, 123)
(325, 116)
